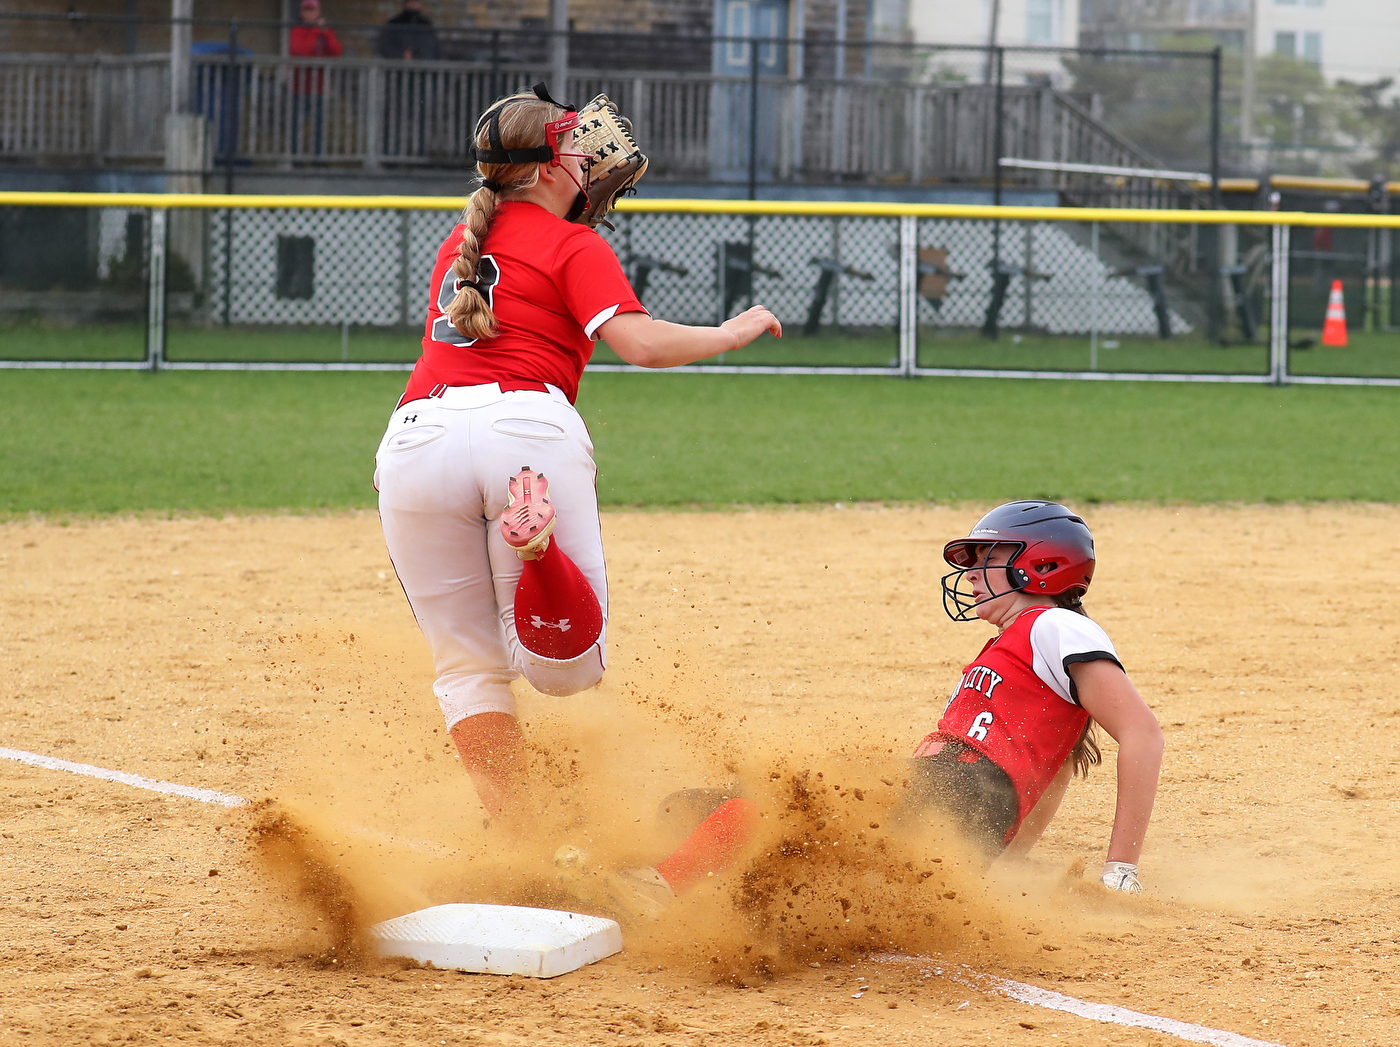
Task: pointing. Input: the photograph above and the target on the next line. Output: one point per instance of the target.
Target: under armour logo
(539, 623)
(410, 418)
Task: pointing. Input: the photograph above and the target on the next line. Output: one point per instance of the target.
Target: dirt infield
(275, 657)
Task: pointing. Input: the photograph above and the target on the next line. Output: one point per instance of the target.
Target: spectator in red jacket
(310, 39)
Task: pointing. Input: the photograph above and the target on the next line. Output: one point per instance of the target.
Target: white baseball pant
(441, 471)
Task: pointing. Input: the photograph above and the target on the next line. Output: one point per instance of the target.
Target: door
(737, 23)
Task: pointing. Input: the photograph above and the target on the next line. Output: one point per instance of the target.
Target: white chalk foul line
(1098, 1012)
(189, 792)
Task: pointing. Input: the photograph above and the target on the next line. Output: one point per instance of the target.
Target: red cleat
(528, 520)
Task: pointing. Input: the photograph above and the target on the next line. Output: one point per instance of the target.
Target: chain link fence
(935, 290)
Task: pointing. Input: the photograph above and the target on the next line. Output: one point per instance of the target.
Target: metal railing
(231, 282)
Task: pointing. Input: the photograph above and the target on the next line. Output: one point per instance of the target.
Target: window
(1312, 48)
(1040, 21)
(1286, 44)
(737, 19)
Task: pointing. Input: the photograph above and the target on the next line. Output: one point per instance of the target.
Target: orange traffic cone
(1334, 328)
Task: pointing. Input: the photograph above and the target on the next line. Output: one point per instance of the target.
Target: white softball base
(499, 939)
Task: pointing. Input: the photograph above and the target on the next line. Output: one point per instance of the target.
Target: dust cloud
(376, 824)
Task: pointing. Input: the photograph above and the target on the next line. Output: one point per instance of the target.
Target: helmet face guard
(1050, 553)
(960, 603)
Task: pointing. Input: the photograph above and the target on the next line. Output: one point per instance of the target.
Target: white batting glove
(1121, 876)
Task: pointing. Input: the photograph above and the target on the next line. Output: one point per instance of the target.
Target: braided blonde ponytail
(469, 312)
(522, 126)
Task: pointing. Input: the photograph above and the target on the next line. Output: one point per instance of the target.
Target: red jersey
(311, 41)
(1016, 703)
(550, 283)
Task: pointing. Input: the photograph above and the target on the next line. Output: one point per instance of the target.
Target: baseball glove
(618, 165)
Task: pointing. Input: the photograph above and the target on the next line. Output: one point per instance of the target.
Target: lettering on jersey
(980, 723)
(979, 678)
(488, 275)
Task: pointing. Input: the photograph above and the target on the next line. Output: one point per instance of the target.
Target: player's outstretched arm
(645, 342)
(1110, 698)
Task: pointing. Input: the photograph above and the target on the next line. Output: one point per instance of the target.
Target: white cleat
(631, 895)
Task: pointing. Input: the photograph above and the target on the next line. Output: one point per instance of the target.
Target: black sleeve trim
(1087, 656)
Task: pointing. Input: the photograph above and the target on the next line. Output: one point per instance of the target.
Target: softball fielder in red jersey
(485, 475)
(1019, 721)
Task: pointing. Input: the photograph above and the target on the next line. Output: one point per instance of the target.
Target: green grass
(300, 343)
(880, 349)
(1138, 355)
(86, 442)
(49, 341)
(127, 341)
(1369, 354)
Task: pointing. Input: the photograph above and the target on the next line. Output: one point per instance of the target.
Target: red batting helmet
(1053, 553)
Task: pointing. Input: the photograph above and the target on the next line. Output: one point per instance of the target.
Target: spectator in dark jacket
(409, 34)
(408, 93)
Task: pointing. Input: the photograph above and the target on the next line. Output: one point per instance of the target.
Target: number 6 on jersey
(980, 723)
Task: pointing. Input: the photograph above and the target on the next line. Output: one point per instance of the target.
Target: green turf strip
(1369, 353)
(104, 442)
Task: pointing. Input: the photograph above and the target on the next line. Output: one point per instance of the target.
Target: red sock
(556, 611)
(713, 847)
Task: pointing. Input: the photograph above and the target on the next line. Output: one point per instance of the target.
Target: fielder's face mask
(960, 599)
(549, 153)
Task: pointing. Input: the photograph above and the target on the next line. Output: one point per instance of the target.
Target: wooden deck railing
(373, 114)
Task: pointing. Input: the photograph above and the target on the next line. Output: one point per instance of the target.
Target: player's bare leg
(493, 752)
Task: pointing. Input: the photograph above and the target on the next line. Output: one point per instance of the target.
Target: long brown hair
(522, 119)
(1085, 753)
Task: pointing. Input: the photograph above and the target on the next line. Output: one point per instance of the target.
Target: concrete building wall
(1356, 40)
(888, 19)
(116, 27)
(1019, 23)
